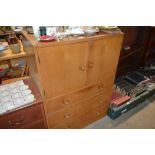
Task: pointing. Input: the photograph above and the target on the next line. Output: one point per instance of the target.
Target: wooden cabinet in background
(133, 46)
(76, 77)
(149, 49)
(30, 116)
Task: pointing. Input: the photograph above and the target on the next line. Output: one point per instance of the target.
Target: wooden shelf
(130, 53)
(15, 79)
(8, 54)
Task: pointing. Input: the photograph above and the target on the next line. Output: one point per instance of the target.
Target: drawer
(70, 99)
(21, 117)
(95, 89)
(40, 124)
(64, 101)
(77, 110)
(88, 118)
(85, 119)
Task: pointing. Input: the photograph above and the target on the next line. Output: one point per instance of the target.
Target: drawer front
(40, 124)
(85, 119)
(70, 99)
(22, 117)
(64, 101)
(74, 111)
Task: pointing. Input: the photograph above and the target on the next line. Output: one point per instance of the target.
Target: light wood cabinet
(74, 75)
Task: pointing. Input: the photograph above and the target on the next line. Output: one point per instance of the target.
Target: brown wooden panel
(77, 110)
(85, 119)
(40, 124)
(64, 101)
(67, 64)
(135, 37)
(22, 117)
(130, 34)
(52, 70)
(71, 99)
(95, 59)
(129, 64)
(75, 57)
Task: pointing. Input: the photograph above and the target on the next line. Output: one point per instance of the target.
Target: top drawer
(69, 99)
(21, 117)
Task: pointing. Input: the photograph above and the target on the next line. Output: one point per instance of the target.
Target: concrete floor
(141, 117)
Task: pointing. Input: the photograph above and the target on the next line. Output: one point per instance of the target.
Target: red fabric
(46, 37)
(1, 69)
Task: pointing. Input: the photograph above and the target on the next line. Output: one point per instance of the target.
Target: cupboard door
(103, 58)
(95, 58)
(63, 68)
(75, 65)
(51, 68)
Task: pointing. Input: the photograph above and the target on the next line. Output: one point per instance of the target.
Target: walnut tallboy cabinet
(75, 76)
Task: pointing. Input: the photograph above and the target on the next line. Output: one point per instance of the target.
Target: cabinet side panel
(31, 61)
(112, 53)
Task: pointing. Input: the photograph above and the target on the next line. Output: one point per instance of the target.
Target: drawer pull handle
(100, 101)
(98, 113)
(16, 123)
(67, 116)
(66, 101)
(82, 68)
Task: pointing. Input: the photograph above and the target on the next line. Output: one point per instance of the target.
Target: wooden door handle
(91, 64)
(101, 87)
(82, 68)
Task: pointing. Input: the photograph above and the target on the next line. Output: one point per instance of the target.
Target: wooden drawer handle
(101, 87)
(16, 123)
(66, 101)
(100, 101)
(82, 68)
(98, 113)
(67, 116)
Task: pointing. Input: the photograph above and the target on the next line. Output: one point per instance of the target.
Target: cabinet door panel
(75, 60)
(103, 58)
(63, 68)
(95, 58)
(52, 70)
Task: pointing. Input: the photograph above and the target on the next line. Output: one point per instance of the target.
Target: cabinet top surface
(69, 40)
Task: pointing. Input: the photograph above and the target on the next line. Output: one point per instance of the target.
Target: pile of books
(131, 90)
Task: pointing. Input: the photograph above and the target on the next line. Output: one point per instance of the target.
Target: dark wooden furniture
(132, 49)
(30, 116)
(149, 50)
